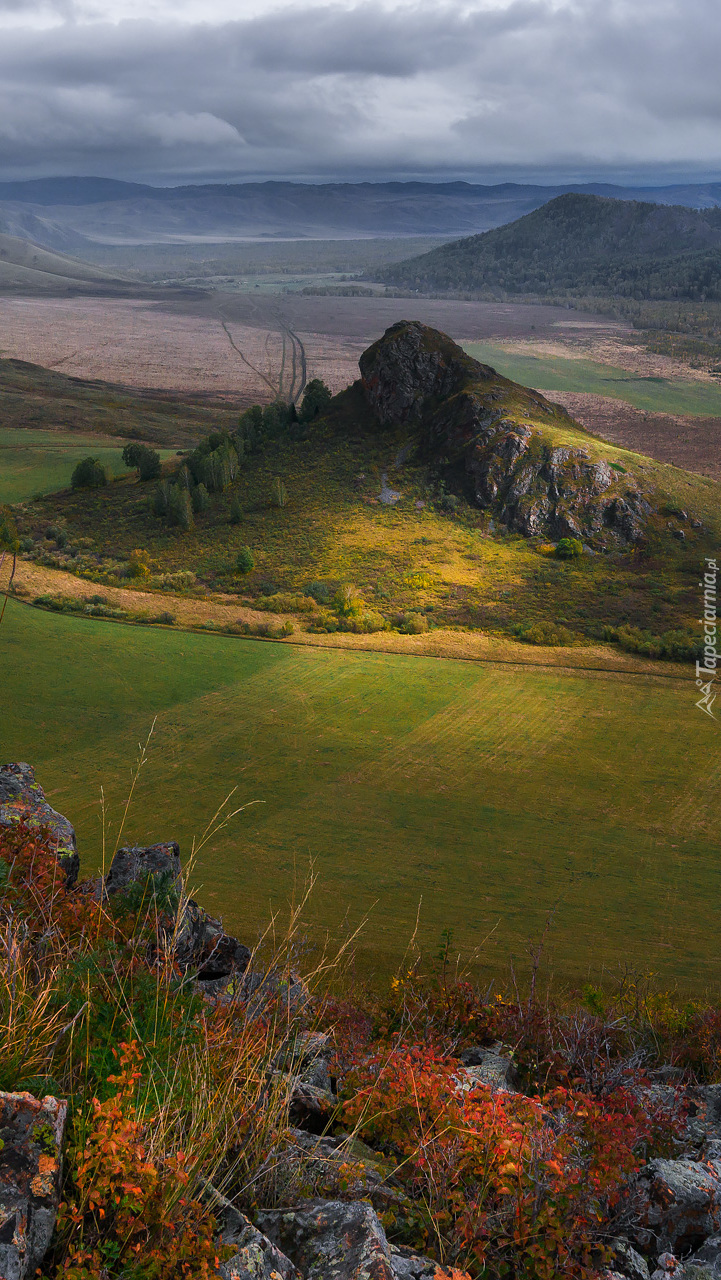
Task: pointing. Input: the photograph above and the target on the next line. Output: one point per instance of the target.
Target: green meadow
(656, 395)
(481, 797)
(36, 461)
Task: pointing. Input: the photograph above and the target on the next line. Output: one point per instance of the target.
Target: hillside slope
(581, 244)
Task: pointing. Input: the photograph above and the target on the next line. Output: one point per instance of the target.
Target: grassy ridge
(33, 462)
(492, 793)
(554, 373)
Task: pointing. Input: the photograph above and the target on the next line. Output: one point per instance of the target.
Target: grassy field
(656, 395)
(492, 794)
(35, 462)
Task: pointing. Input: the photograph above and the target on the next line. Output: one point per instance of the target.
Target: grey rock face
(322, 1157)
(22, 797)
(628, 1262)
(331, 1240)
(401, 376)
(202, 944)
(32, 1132)
(414, 373)
(487, 1067)
(255, 1257)
(705, 1264)
(679, 1204)
(136, 862)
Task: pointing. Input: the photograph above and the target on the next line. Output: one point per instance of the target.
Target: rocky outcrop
(677, 1204)
(198, 940)
(22, 798)
(31, 1139)
(484, 430)
(255, 1256)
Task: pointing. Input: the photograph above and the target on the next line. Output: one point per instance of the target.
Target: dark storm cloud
(367, 89)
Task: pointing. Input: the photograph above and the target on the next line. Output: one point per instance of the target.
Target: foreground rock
(677, 1205)
(255, 1256)
(21, 797)
(332, 1240)
(31, 1133)
(475, 425)
(198, 940)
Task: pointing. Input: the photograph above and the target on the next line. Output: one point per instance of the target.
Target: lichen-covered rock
(21, 797)
(627, 1261)
(704, 1115)
(705, 1264)
(31, 1133)
(677, 1204)
(324, 1159)
(489, 1067)
(331, 1240)
(255, 1257)
(202, 944)
(136, 862)
(472, 423)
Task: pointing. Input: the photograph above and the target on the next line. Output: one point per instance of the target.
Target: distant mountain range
(70, 213)
(580, 244)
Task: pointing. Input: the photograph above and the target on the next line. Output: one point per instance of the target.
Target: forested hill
(581, 244)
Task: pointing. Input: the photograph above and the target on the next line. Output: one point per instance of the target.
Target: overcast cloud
(305, 88)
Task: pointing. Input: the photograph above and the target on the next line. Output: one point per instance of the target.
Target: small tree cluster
(90, 473)
(144, 459)
(316, 398)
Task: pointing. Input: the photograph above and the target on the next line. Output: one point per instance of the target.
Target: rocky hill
(506, 448)
(581, 244)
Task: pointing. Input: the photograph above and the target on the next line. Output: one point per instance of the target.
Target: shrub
(363, 622)
(138, 566)
(180, 507)
(347, 601)
(411, 624)
(24, 544)
(90, 474)
(286, 602)
(546, 633)
(236, 510)
(8, 532)
(316, 398)
(161, 499)
(146, 460)
(278, 493)
(245, 560)
(569, 548)
(321, 592)
(200, 498)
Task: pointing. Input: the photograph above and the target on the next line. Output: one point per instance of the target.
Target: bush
(180, 507)
(286, 602)
(411, 624)
(161, 499)
(673, 646)
(569, 548)
(322, 592)
(316, 398)
(546, 633)
(363, 622)
(236, 510)
(8, 532)
(245, 560)
(138, 566)
(200, 498)
(90, 474)
(147, 461)
(278, 493)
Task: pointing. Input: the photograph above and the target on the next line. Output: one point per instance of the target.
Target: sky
(170, 91)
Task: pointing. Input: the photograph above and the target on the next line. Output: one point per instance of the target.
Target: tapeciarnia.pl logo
(706, 671)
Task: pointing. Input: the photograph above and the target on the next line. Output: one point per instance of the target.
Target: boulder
(136, 862)
(324, 1159)
(627, 1261)
(31, 1142)
(22, 797)
(331, 1240)
(489, 1067)
(677, 1204)
(255, 1256)
(202, 944)
(705, 1264)
(704, 1115)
